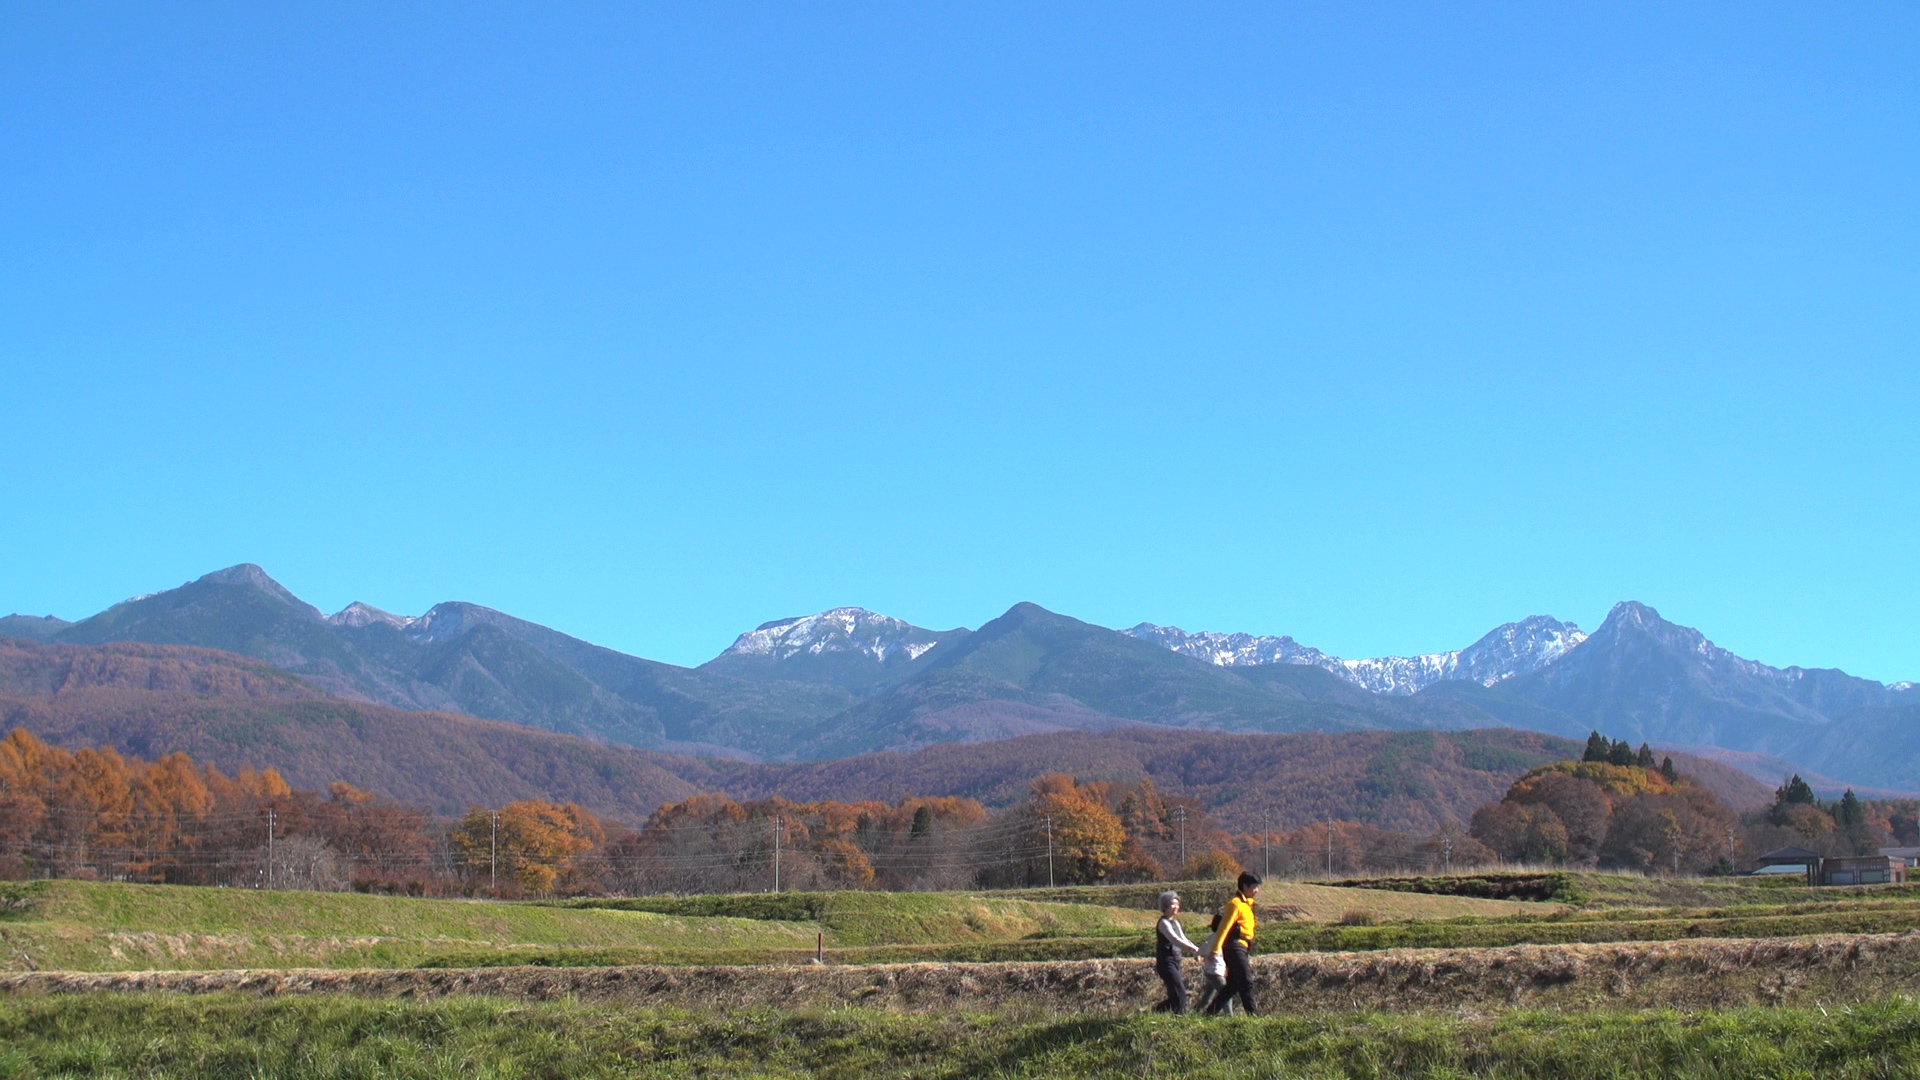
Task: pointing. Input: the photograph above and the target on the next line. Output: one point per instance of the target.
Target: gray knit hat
(1167, 898)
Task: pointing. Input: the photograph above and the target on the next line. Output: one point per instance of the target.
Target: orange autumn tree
(538, 842)
(1086, 838)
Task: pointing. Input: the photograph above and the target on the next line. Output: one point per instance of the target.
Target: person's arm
(1178, 935)
(1226, 926)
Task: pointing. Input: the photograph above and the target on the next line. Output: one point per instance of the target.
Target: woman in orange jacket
(1231, 942)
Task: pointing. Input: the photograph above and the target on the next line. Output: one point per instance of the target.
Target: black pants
(1239, 981)
(1168, 968)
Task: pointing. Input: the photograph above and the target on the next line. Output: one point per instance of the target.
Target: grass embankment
(1319, 903)
(85, 926)
(479, 1039)
(1595, 889)
(88, 926)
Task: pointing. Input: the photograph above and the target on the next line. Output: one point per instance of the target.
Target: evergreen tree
(1644, 756)
(1848, 812)
(1621, 753)
(1667, 770)
(1794, 792)
(1597, 748)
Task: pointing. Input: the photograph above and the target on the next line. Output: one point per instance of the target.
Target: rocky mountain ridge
(1512, 649)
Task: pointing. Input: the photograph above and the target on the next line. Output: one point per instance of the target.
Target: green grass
(874, 918)
(84, 926)
(1590, 888)
(220, 1037)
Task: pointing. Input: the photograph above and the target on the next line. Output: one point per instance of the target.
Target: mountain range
(1513, 649)
(235, 712)
(849, 681)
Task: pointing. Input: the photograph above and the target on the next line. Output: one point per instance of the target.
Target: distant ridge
(851, 681)
(235, 712)
(1504, 652)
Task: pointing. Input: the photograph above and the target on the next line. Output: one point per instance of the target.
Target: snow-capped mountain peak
(840, 630)
(1509, 650)
(358, 614)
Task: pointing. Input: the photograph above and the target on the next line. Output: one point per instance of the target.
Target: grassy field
(481, 1039)
(88, 926)
(1616, 976)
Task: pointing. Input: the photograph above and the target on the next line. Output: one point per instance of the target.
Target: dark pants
(1239, 981)
(1168, 968)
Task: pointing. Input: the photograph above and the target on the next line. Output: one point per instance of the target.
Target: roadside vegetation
(218, 1037)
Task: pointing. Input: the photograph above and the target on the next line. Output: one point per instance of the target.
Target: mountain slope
(234, 712)
(466, 658)
(32, 627)
(1643, 678)
(1033, 670)
(1411, 781)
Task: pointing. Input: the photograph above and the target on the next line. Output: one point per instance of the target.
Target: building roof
(1777, 869)
(1901, 852)
(1790, 854)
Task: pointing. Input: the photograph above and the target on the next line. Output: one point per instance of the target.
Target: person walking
(1169, 940)
(1214, 970)
(1231, 943)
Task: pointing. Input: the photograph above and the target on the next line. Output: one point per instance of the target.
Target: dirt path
(1715, 973)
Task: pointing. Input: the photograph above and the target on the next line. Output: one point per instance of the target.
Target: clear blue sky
(1372, 324)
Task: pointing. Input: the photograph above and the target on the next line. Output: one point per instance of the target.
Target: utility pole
(270, 874)
(493, 857)
(1329, 849)
(1049, 851)
(1266, 846)
(1180, 819)
(779, 827)
(1446, 851)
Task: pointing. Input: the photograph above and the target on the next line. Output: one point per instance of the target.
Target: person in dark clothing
(1231, 943)
(1169, 941)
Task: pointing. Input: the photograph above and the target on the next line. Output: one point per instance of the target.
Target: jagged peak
(835, 630)
(362, 614)
(1636, 616)
(1635, 613)
(245, 573)
(250, 575)
(1510, 649)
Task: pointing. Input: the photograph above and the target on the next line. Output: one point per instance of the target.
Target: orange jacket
(1239, 912)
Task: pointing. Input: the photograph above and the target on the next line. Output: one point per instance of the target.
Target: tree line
(95, 813)
(1618, 807)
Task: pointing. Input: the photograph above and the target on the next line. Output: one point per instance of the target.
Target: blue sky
(1372, 324)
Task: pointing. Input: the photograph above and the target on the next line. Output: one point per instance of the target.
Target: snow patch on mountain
(841, 630)
(358, 614)
(1507, 651)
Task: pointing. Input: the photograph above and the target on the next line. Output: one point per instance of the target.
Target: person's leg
(1240, 978)
(1169, 972)
(1208, 988)
(1223, 1000)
